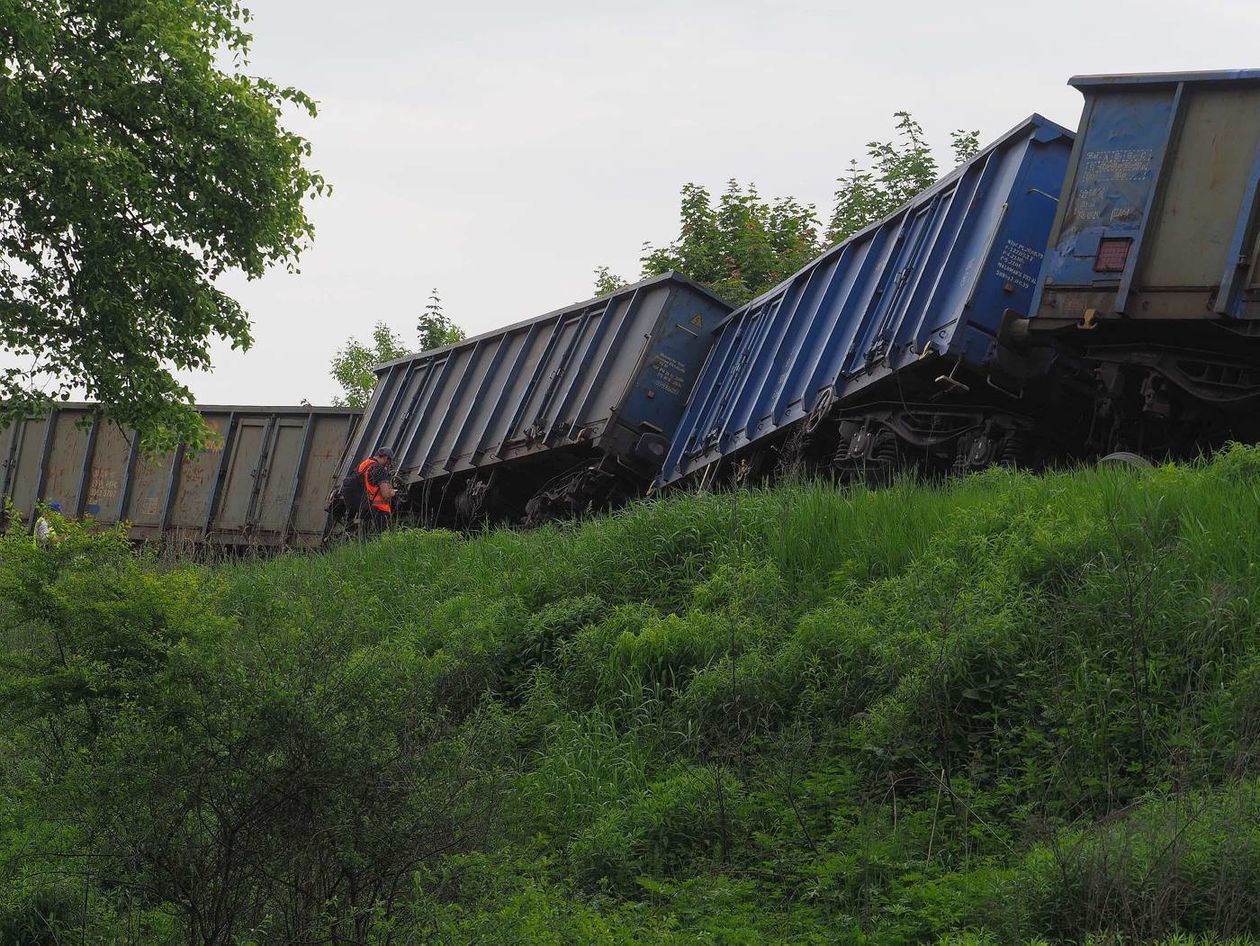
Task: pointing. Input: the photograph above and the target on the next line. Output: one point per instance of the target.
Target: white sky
(500, 151)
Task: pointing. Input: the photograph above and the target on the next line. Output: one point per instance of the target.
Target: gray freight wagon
(549, 417)
(264, 484)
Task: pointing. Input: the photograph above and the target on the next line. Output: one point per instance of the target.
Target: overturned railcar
(264, 484)
(547, 418)
(1151, 283)
(883, 353)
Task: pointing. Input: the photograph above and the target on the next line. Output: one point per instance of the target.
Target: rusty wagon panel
(263, 484)
(1158, 216)
(1150, 287)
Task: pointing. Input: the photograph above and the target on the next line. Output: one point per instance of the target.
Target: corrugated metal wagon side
(544, 417)
(264, 484)
(907, 309)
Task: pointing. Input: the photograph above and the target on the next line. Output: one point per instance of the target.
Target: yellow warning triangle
(697, 321)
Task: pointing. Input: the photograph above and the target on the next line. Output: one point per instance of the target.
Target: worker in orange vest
(378, 491)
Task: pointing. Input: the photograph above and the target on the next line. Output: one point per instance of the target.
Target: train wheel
(470, 503)
(1124, 458)
(572, 496)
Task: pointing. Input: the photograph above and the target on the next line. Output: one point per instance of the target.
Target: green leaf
(139, 162)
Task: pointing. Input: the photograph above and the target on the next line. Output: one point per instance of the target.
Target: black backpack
(351, 492)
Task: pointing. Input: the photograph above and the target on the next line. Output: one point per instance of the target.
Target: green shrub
(677, 822)
(986, 711)
(1188, 864)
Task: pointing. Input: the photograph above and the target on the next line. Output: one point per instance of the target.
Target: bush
(987, 711)
(1188, 864)
(678, 822)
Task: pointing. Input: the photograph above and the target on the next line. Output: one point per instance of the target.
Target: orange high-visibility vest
(373, 492)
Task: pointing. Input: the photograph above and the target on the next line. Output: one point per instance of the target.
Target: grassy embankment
(1012, 709)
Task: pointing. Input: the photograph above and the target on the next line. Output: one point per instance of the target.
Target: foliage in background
(606, 282)
(434, 329)
(1004, 710)
(897, 170)
(743, 245)
(739, 247)
(140, 160)
(352, 366)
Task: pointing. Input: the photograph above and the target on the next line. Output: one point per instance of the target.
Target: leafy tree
(250, 788)
(352, 366)
(139, 162)
(740, 247)
(744, 245)
(898, 170)
(434, 328)
(606, 282)
(965, 144)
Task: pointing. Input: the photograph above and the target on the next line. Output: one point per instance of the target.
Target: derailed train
(263, 485)
(1060, 296)
(1091, 303)
(571, 410)
(885, 348)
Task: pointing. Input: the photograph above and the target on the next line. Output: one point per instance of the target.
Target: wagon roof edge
(670, 276)
(1034, 121)
(1122, 80)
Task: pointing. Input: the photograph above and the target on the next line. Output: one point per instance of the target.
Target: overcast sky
(500, 151)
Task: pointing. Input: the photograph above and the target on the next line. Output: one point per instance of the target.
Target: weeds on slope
(1002, 709)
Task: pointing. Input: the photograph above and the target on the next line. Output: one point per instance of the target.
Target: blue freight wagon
(883, 350)
(549, 417)
(1151, 282)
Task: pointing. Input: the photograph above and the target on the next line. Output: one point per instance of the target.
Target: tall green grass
(1007, 708)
